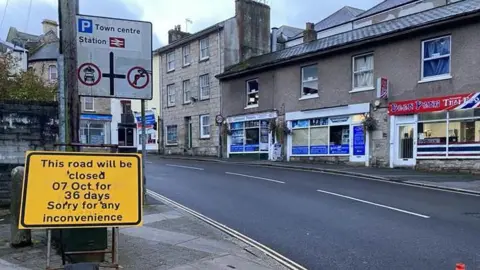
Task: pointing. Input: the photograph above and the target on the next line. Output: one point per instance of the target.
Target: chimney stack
(309, 34)
(176, 34)
(50, 25)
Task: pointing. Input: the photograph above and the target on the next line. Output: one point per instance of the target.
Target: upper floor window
(436, 57)
(186, 55)
(88, 104)
(310, 80)
(170, 95)
(126, 106)
(204, 49)
(252, 93)
(363, 72)
(187, 94)
(52, 73)
(171, 61)
(204, 86)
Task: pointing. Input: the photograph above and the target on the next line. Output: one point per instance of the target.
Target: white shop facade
(330, 132)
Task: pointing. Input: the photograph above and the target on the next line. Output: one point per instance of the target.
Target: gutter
(405, 31)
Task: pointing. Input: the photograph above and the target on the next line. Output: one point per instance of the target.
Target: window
(186, 55)
(204, 126)
(339, 139)
(170, 95)
(310, 80)
(88, 104)
(436, 57)
(252, 93)
(94, 132)
(172, 135)
(204, 50)
(52, 73)
(249, 136)
(126, 106)
(187, 94)
(363, 71)
(205, 86)
(171, 61)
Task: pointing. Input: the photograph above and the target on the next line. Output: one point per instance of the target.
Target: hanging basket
(370, 123)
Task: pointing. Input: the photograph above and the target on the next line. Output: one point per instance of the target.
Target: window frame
(249, 93)
(302, 95)
(354, 72)
(186, 101)
(207, 49)
(171, 54)
(422, 59)
(50, 73)
(171, 87)
(202, 125)
(84, 103)
(167, 142)
(185, 56)
(201, 87)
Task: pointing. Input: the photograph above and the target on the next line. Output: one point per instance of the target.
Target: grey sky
(164, 14)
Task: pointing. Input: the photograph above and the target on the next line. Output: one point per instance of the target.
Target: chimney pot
(309, 34)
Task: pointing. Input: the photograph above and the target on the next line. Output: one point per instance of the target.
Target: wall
(100, 106)
(23, 126)
(41, 68)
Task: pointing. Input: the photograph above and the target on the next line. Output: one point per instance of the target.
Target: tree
(17, 84)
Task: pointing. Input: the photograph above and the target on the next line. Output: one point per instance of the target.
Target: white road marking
(256, 177)
(270, 252)
(375, 204)
(185, 167)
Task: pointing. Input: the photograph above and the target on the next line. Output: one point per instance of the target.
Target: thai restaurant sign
(435, 104)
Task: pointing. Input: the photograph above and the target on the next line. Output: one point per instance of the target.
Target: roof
(15, 36)
(189, 38)
(48, 51)
(5, 46)
(290, 31)
(385, 5)
(395, 26)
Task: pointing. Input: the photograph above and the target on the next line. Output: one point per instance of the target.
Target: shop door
(358, 144)
(405, 142)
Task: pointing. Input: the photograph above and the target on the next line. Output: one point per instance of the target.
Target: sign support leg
(144, 150)
(115, 246)
(49, 247)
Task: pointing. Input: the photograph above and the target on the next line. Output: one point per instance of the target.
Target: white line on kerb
(376, 204)
(185, 167)
(249, 241)
(256, 177)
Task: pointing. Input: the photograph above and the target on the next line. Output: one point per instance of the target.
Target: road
(325, 221)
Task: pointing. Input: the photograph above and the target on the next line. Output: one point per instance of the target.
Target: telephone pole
(68, 9)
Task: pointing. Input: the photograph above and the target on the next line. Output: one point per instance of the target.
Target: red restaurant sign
(435, 104)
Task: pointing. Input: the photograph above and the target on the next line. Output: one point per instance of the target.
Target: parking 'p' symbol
(85, 26)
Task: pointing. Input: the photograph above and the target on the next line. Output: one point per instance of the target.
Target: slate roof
(19, 38)
(48, 51)
(290, 31)
(385, 5)
(394, 26)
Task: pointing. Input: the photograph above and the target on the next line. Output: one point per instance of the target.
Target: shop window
(432, 134)
(237, 137)
(94, 132)
(252, 93)
(172, 135)
(339, 139)
(309, 80)
(432, 116)
(204, 126)
(363, 71)
(171, 61)
(300, 141)
(252, 136)
(319, 140)
(187, 94)
(436, 57)
(170, 95)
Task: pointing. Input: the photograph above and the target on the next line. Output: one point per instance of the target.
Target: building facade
(190, 94)
(393, 94)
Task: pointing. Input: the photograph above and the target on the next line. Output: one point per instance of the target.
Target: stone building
(190, 93)
(414, 77)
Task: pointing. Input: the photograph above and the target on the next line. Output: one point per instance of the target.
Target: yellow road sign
(87, 190)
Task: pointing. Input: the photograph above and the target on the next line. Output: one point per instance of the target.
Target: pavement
(170, 239)
(454, 181)
(323, 220)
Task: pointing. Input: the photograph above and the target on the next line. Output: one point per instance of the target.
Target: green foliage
(22, 85)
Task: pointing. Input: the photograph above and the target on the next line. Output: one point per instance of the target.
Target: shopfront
(249, 134)
(95, 128)
(333, 132)
(442, 128)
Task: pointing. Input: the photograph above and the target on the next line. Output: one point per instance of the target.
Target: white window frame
(171, 95)
(202, 125)
(249, 93)
(171, 60)
(436, 77)
(354, 72)
(207, 49)
(186, 55)
(186, 86)
(204, 86)
(166, 135)
(85, 104)
(302, 95)
(50, 69)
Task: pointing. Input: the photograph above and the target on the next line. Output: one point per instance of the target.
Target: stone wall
(449, 165)
(23, 126)
(379, 139)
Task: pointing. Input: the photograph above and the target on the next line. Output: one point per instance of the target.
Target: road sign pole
(144, 150)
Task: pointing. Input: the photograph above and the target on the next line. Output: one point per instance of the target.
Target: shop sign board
(435, 104)
(358, 141)
(81, 190)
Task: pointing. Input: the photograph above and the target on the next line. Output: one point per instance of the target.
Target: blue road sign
(85, 26)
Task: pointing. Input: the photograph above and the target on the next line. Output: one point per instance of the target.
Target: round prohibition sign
(136, 76)
(89, 74)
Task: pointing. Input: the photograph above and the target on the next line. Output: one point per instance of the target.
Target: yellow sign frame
(31, 202)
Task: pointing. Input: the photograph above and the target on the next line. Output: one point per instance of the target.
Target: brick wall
(23, 126)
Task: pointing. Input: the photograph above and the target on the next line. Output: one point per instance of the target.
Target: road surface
(325, 221)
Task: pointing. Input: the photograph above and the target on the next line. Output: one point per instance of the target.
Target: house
(18, 54)
(397, 93)
(190, 94)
